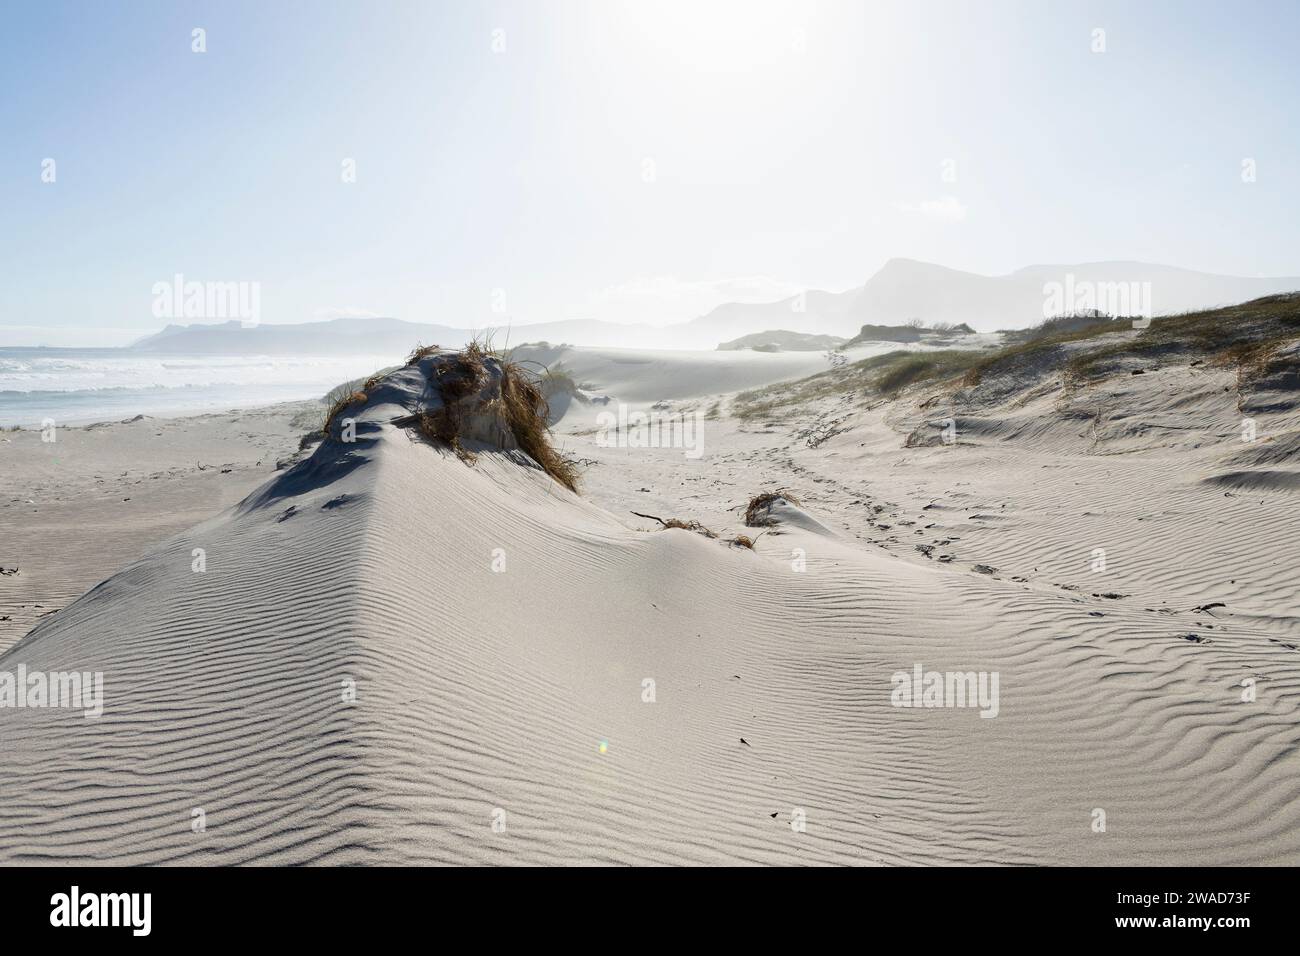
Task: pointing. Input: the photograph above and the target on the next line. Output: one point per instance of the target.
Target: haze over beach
(693, 434)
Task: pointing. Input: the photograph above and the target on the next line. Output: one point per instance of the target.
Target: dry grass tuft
(421, 352)
(739, 541)
(527, 413)
(455, 380)
(689, 526)
(522, 407)
(694, 526)
(754, 516)
(340, 403)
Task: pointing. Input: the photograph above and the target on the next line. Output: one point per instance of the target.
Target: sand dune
(499, 630)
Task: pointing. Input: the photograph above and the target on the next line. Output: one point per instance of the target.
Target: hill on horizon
(905, 289)
(902, 291)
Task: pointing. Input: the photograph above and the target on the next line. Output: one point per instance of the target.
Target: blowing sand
(393, 655)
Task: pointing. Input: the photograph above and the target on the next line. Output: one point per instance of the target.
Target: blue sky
(788, 146)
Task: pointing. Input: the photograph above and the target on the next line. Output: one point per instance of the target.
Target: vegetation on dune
(521, 404)
(1084, 348)
(739, 541)
(1244, 336)
(343, 391)
(919, 367)
(1241, 335)
(521, 407)
(455, 379)
(880, 376)
(341, 396)
(1024, 346)
(1090, 322)
(913, 330)
(689, 526)
(337, 406)
(421, 352)
(756, 512)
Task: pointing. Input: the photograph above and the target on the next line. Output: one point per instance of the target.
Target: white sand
(75, 510)
(639, 376)
(479, 691)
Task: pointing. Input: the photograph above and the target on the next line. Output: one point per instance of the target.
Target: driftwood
(651, 517)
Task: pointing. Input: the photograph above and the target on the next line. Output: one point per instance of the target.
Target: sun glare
(723, 36)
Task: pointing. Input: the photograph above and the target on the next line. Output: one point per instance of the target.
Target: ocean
(80, 386)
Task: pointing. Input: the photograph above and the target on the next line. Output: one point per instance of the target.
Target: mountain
(338, 336)
(813, 312)
(905, 289)
(378, 336)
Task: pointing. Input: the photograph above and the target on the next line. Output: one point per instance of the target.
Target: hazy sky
(631, 161)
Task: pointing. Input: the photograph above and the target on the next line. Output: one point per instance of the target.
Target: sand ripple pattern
(517, 697)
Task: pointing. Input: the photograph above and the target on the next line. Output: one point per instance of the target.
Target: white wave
(95, 385)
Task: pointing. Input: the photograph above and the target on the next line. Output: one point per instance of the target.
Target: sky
(629, 161)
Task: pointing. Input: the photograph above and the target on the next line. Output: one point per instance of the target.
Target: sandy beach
(78, 508)
(401, 651)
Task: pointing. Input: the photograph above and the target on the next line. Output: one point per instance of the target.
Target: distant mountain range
(379, 336)
(905, 289)
(901, 291)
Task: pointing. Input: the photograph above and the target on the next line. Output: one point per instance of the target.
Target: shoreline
(300, 406)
